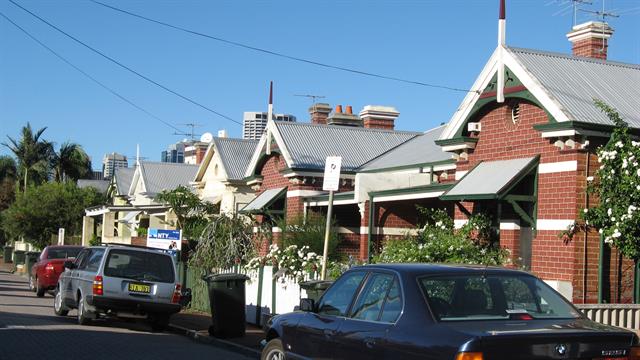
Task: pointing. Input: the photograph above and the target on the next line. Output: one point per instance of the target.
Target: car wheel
(83, 316)
(32, 283)
(58, 305)
(273, 350)
(39, 290)
(159, 322)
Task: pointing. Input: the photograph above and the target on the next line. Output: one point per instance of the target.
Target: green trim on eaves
(579, 125)
(412, 166)
(458, 139)
(413, 190)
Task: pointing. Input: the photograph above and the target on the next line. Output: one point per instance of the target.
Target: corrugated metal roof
(123, 178)
(166, 176)
(264, 199)
(575, 81)
(419, 150)
(310, 144)
(489, 178)
(236, 155)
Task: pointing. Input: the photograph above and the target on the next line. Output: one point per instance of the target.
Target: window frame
(355, 296)
(396, 277)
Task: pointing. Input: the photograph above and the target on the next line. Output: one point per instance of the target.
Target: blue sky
(439, 42)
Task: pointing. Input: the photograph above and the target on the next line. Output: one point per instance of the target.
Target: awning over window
(491, 179)
(264, 200)
(127, 219)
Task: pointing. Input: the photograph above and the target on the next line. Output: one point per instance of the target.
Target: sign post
(61, 236)
(331, 182)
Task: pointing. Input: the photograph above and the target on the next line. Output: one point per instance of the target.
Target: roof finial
(502, 10)
(270, 92)
(502, 25)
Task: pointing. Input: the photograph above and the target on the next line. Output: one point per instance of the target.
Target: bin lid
(316, 284)
(225, 277)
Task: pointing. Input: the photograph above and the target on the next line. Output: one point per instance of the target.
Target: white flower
(616, 234)
(613, 171)
(589, 178)
(609, 212)
(608, 240)
(600, 231)
(586, 211)
(613, 219)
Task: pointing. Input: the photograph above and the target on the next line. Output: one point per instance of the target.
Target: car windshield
(139, 265)
(493, 297)
(63, 253)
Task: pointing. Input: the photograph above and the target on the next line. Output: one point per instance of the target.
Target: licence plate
(139, 288)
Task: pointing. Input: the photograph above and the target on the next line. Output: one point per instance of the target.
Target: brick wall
(591, 47)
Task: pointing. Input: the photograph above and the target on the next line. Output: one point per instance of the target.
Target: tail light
(634, 353)
(176, 294)
(97, 285)
(49, 267)
(469, 356)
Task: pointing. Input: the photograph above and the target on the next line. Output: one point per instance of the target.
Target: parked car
(120, 281)
(443, 312)
(45, 272)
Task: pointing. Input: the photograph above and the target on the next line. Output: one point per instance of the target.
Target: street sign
(61, 236)
(164, 239)
(331, 180)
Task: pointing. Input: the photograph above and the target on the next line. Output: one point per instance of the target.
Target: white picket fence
(621, 315)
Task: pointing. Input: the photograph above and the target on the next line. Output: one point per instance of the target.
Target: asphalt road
(30, 330)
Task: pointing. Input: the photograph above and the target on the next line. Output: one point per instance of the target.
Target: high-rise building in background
(254, 123)
(110, 162)
(175, 152)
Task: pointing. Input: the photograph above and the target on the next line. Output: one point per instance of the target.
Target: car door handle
(369, 343)
(329, 333)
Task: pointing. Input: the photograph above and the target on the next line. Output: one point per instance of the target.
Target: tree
(37, 214)
(617, 186)
(191, 212)
(33, 154)
(8, 175)
(8, 169)
(71, 162)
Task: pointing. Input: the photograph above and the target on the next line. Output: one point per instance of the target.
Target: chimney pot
(338, 109)
(590, 39)
(349, 109)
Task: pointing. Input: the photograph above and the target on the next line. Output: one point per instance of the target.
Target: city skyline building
(112, 161)
(254, 123)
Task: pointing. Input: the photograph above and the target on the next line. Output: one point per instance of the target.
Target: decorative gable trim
(271, 134)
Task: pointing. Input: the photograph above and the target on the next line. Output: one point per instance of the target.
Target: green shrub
(309, 233)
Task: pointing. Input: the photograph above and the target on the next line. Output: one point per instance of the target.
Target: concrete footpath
(195, 325)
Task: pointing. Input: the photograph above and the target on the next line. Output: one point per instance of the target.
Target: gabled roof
(564, 85)
(122, 178)
(159, 176)
(233, 154)
(575, 81)
(306, 146)
(422, 149)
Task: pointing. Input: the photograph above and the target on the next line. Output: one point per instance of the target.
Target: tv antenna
(191, 134)
(312, 97)
(604, 15)
(576, 5)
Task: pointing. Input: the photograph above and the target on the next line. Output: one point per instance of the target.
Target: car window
(81, 256)
(372, 297)
(93, 262)
(62, 253)
(393, 304)
(139, 265)
(338, 297)
(476, 297)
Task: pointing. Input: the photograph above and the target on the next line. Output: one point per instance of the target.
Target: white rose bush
(292, 262)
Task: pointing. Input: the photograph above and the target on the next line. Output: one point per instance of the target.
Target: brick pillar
(364, 230)
(510, 238)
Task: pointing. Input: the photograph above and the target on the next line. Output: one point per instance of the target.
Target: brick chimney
(379, 117)
(319, 113)
(346, 118)
(590, 39)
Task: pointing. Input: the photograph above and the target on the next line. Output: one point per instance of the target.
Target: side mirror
(69, 265)
(307, 305)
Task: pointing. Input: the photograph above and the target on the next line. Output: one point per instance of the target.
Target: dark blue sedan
(442, 312)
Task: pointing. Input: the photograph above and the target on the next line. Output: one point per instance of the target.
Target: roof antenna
(192, 135)
(576, 5)
(603, 14)
(312, 97)
(502, 23)
(269, 118)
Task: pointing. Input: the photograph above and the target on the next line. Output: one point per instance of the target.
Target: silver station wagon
(120, 281)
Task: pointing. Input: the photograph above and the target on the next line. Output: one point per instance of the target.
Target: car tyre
(273, 350)
(58, 304)
(159, 322)
(32, 283)
(83, 313)
(39, 290)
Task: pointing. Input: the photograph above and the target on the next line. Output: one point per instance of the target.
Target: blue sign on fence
(164, 239)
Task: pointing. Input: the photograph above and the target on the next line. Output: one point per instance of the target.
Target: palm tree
(71, 162)
(33, 154)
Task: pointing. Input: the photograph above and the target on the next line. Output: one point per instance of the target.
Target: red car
(45, 273)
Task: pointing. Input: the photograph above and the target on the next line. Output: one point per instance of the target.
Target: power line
(101, 84)
(279, 54)
(125, 66)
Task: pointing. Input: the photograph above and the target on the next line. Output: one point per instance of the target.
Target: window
(372, 298)
(491, 297)
(139, 265)
(81, 256)
(338, 297)
(94, 260)
(393, 304)
(63, 253)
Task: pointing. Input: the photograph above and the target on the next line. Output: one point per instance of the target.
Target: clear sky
(444, 42)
